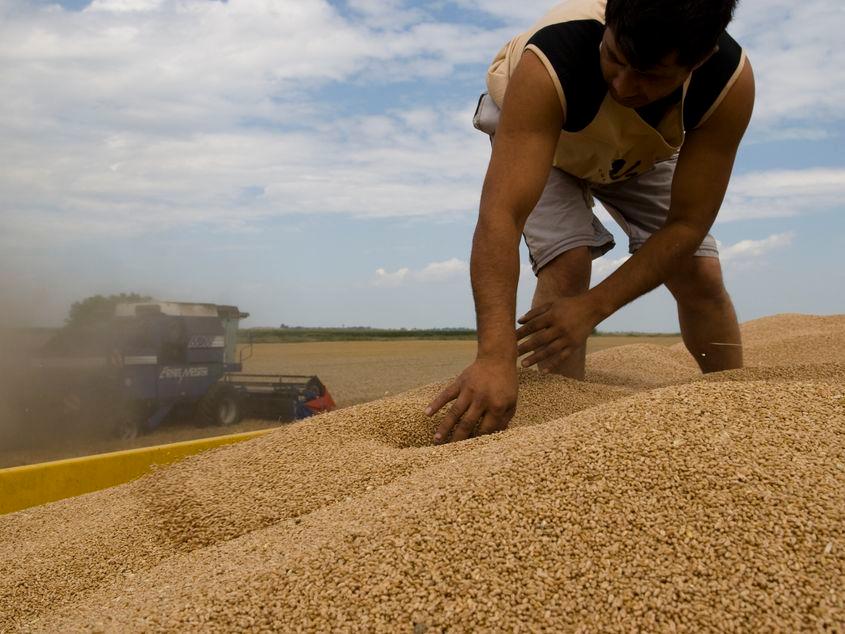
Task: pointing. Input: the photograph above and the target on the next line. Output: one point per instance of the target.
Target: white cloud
(144, 115)
(798, 62)
(433, 273)
(807, 182)
(441, 271)
(750, 249)
(386, 14)
(604, 266)
(229, 60)
(136, 116)
(782, 193)
(126, 182)
(787, 133)
(390, 280)
(124, 5)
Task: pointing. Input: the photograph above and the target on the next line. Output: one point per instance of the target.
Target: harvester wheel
(127, 428)
(125, 418)
(222, 406)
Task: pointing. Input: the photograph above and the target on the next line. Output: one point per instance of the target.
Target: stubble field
(357, 372)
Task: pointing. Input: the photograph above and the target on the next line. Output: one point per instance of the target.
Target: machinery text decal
(207, 341)
(183, 373)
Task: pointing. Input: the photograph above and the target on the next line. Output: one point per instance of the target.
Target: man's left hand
(556, 329)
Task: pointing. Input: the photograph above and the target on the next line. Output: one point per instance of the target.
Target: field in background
(297, 335)
(302, 335)
(354, 371)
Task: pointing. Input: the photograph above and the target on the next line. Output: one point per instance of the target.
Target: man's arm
(523, 149)
(698, 189)
(524, 145)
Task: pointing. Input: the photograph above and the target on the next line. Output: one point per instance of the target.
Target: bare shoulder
(531, 100)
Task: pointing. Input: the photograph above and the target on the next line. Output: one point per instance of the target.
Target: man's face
(634, 88)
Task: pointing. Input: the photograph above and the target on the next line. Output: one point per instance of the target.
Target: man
(642, 104)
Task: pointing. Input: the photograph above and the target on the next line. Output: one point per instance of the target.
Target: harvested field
(356, 372)
(648, 498)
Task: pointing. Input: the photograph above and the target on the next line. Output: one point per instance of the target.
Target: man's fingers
(492, 423)
(449, 394)
(535, 324)
(531, 314)
(451, 419)
(553, 349)
(466, 425)
(537, 341)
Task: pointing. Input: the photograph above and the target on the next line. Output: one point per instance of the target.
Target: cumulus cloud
(390, 280)
(124, 5)
(126, 183)
(143, 115)
(798, 62)
(136, 116)
(441, 271)
(782, 193)
(604, 266)
(750, 249)
(433, 273)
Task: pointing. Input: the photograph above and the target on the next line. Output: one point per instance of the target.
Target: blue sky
(314, 162)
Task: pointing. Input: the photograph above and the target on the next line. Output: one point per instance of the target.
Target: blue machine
(154, 357)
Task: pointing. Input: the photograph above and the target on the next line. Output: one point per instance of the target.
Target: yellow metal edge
(33, 485)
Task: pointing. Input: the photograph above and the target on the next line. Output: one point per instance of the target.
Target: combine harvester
(154, 358)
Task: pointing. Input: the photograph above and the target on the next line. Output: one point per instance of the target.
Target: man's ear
(704, 61)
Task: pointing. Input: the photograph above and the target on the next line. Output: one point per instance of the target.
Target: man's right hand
(485, 396)
(526, 138)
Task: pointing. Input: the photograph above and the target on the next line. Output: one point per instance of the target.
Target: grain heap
(714, 503)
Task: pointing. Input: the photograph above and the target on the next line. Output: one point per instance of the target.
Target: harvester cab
(156, 357)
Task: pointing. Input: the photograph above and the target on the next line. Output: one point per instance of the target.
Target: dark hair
(646, 31)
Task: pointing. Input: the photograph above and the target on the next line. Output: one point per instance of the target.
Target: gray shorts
(563, 218)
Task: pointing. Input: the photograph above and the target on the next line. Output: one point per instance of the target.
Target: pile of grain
(642, 366)
(712, 503)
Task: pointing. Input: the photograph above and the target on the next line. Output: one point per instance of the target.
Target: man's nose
(625, 84)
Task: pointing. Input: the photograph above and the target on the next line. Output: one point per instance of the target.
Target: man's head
(651, 46)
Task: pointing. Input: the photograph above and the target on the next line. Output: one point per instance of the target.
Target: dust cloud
(20, 339)
(41, 413)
